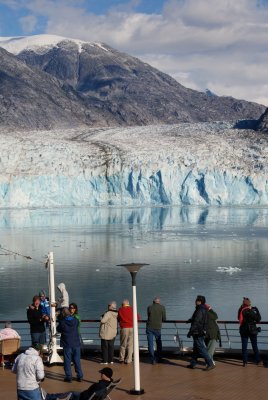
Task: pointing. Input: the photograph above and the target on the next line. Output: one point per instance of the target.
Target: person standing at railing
(70, 342)
(198, 329)
(37, 320)
(108, 332)
(213, 332)
(156, 316)
(125, 319)
(248, 318)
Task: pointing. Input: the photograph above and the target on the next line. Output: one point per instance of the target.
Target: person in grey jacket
(156, 315)
(63, 301)
(29, 369)
(108, 332)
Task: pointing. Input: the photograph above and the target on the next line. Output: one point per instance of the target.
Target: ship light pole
(133, 268)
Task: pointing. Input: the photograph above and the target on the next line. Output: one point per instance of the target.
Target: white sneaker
(103, 363)
(111, 362)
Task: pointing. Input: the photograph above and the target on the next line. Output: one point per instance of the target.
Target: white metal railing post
(54, 358)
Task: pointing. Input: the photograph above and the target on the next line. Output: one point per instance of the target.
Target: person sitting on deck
(104, 382)
(8, 333)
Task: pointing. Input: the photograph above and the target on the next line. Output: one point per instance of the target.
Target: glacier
(186, 164)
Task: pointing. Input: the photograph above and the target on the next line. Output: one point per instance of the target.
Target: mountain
(102, 86)
(262, 124)
(31, 98)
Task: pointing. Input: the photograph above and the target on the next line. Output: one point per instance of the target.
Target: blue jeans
(38, 338)
(72, 354)
(151, 333)
(253, 339)
(29, 394)
(200, 350)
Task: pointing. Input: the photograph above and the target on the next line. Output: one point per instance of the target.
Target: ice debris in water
(229, 270)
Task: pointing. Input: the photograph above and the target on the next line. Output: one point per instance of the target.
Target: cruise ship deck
(170, 380)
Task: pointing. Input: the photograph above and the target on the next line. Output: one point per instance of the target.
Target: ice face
(186, 164)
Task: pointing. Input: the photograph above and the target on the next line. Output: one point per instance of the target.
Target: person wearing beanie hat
(198, 329)
(108, 332)
(248, 317)
(44, 303)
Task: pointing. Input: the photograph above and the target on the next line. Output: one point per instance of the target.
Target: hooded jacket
(108, 325)
(64, 299)
(29, 369)
(68, 327)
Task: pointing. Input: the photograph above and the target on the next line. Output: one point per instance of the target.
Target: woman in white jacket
(108, 332)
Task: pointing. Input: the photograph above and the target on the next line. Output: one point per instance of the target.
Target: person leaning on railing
(248, 318)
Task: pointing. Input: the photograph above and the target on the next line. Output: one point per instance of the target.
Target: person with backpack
(248, 318)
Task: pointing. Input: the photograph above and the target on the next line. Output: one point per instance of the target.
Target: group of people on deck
(203, 330)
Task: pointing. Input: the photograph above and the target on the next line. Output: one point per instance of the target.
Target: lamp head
(133, 267)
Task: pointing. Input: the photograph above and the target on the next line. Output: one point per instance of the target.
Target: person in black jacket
(248, 318)
(37, 320)
(98, 387)
(199, 323)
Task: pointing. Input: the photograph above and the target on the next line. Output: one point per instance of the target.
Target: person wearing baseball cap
(106, 379)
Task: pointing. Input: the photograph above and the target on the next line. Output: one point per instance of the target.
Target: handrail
(169, 321)
(174, 334)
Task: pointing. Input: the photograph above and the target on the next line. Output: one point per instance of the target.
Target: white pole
(53, 357)
(137, 385)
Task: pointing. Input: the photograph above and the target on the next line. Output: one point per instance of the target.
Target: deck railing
(174, 335)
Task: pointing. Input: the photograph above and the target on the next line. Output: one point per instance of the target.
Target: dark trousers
(151, 334)
(107, 348)
(200, 350)
(253, 339)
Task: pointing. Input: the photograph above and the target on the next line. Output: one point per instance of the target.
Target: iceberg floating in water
(186, 164)
(228, 270)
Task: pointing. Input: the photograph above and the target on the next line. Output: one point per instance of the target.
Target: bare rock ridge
(69, 84)
(262, 124)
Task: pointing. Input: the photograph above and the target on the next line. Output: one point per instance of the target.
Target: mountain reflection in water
(219, 252)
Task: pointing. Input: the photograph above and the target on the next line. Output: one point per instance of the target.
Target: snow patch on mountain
(41, 44)
(195, 164)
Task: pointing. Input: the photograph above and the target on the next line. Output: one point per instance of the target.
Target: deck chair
(104, 394)
(9, 347)
(111, 387)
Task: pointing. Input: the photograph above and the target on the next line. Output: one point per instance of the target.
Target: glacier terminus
(185, 164)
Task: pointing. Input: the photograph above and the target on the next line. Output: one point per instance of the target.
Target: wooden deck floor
(168, 381)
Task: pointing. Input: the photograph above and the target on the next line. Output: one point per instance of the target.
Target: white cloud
(28, 23)
(218, 44)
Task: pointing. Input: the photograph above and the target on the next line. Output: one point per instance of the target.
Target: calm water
(187, 249)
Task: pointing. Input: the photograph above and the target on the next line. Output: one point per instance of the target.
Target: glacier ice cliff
(186, 164)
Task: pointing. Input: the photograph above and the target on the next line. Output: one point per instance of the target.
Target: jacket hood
(70, 321)
(61, 287)
(31, 352)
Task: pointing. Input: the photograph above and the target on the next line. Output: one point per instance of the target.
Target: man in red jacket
(125, 318)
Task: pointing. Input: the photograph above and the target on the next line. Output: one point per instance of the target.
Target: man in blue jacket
(199, 324)
(70, 342)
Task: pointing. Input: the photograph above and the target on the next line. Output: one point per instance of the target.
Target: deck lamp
(133, 268)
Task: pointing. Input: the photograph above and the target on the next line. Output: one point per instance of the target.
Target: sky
(220, 45)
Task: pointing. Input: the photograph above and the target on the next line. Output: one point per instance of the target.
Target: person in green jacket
(213, 332)
(74, 313)
(156, 315)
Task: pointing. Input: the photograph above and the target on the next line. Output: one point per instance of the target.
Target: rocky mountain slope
(94, 84)
(30, 98)
(262, 124)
